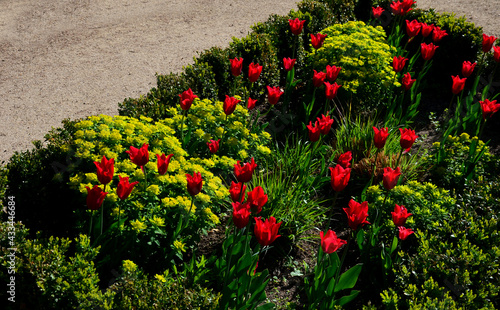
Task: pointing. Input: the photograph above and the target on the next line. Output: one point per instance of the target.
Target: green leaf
(394, 244)
(266, 306)
(347, 299)
(349, 278)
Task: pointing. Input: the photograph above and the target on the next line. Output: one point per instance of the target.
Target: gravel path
(73, 58)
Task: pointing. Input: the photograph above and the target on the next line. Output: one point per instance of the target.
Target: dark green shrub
(37, 179)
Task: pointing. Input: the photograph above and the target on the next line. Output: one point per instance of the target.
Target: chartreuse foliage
(365, 58)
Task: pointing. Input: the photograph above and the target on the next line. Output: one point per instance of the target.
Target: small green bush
(365, 59)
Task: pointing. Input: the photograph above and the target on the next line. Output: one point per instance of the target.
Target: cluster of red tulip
(265, 231)
(322, 126)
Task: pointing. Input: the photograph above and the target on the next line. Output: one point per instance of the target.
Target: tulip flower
(187, 98)
(468, 68)
(377, 12)
(296, 26)
(236, 66)
(397, 8)
(241, 214)
(391, 177)
(95, 197)
(407, 5)
(426, 29)
(325, 124)
(124, 188)
(162, 163)
(273, 94)
(404, 232)
(266, 231)
(229, 105)
(257, 199)
(489, 108)
(496, 53)
(345, 159)
(438, 34)
(458, 84)
(288, 63)
(398, 63)
(329, 242)
(332, 72)
(244, 173)
(314, 132)
(488, 42)
(331, 90)
(412, 28)
(254, 71)
(140, 157)
(357, 214)
(428, 50)
(400, 215)
(251, 103)
(105, 170)
(317, 40)
(380, 137)
(407, 81)
(318, 78)
(339, 177)
(194, 183)
(235, 191)
(408, 137)
(213, 146)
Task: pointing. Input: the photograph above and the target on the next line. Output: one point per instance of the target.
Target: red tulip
(357, 214)
(407, 4)
(266, 231)
(257, 199)
(244, 173)
(187, 98)
(408, 137)
(314, 132)
(273, 94)
(339, 177)
(296, 26)
(404, 232)
(329, 242)
(230, 104)
(380, 137)
(332, 72)
(317, 40)
(496, 53)
(489, 107)
(412, 28)
(397, 8)
(426, 29)
(400, 215)
(468, 68)
(345, 159)
(251, 103)
(194, 183)
(398, 63)
(140, 157)
(254, 71)
(391, 177)
(318, 78)
(428, 50)
(95, 197)
(377, 12)
(241, 214)
(213, 146)
(124, 188)
(105, 170)
(331, 90)
(235, 191)
(325, 124)
(236, 66)
(438, 34)
(458, 84)
(288, 63)
(407, 81)
(162, 163)
(488, 42)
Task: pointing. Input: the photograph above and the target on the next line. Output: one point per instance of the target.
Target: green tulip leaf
(349, 278)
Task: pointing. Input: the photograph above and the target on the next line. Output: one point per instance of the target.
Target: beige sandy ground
(74, 58)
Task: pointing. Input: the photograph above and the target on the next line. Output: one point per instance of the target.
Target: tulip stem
(399, 158)
(102, 210)
(190, 208)
(344, 254)
(182, 126)
(374, 167)
(331, 210)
